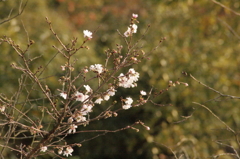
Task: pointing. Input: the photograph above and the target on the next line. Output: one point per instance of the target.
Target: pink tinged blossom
(97, 68)
(68, 151)
(63, 68)
(87, 108)
(81, 97)
(87, 34)
(134, 15)
(72, 129)
(85, 70)
(43, 149)
(143, 93)
(63, 95)
(98, 101)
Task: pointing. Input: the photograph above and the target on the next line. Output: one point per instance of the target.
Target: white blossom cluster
(129, 80)
(128, 101)
(106, 96)
(68, 151)
(96, 68)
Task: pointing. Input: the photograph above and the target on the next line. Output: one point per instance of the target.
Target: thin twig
(19, 13)
(222, 5)
(230, 28)
(215, 116)
(214, 90)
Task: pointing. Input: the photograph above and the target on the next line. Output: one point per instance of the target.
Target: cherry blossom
(72, 129)
(131, 29)
(99, 100)
(87, 108)
(97, 68)
(44, 149)
(134, 28)
(134, 15)
(106, 97)
(64, 95)
(60, 150)
(80, 118)
(128, 32)
(2, 108)
(111, 91)
(63, 68)
(128, 101)
(143, 93)
(128, 80)
(126, 106)
(85, 70)
(80, 96)
(87, 34)
(68, 151)
(88, 88)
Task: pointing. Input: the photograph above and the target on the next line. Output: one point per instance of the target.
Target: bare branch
(215, 116)
(224, 6)
(20, 11)
(214, 90)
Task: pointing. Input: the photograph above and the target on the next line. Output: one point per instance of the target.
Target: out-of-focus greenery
(201, 39)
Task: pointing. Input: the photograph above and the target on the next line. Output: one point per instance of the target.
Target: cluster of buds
(171, 83)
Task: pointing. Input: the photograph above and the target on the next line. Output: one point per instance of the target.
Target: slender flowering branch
(78, 94)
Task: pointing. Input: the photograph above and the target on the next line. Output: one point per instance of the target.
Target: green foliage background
(201, 39)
